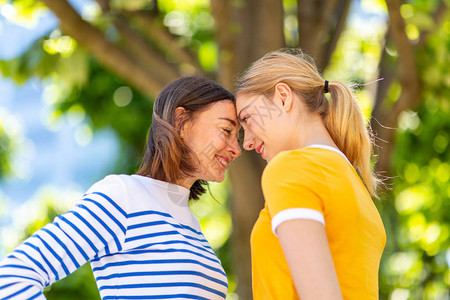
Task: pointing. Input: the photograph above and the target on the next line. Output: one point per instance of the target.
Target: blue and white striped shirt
(140, 237)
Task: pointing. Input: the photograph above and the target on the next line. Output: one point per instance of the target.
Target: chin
(269, 156)
(218, 178)
(213, 177)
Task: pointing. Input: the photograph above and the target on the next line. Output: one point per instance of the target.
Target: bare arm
(305, 246)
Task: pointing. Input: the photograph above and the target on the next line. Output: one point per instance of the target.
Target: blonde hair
(341, 114)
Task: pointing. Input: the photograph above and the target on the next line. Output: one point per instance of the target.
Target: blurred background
(78, 79)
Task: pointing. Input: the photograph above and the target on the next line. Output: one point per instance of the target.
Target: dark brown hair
(166, 156)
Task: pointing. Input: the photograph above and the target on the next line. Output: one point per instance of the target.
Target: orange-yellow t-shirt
(318, 183)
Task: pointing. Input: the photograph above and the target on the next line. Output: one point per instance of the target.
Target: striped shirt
(138, 233)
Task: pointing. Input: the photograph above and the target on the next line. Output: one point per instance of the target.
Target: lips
(223, 160)
(260, 149)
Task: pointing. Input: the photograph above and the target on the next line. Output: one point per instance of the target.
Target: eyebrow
(229, 120)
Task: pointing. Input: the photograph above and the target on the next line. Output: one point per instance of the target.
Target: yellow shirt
(317, 183)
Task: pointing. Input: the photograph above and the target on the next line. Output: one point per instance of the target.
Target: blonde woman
(319, 235)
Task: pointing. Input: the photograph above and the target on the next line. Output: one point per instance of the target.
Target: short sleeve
(294, 187)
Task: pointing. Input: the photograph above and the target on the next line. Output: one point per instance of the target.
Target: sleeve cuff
(296, 213)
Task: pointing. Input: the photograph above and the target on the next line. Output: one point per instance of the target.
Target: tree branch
(410, 88)
(221, 12)
(409, 75)
(163, 40)
(343, 9)
(155, 9)
(143, 54)
(386, 70)
(308, 21)
(107, 53)
(104, 5)
(320, 24)
(438, 18)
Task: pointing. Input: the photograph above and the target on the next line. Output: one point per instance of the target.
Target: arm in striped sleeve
(95, 226)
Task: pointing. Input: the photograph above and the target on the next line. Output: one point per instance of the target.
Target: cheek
(195, 142)
(206, 143)
(257, 129)
(216, 142)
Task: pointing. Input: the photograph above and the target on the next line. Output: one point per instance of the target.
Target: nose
(235, 149)
(249, 141)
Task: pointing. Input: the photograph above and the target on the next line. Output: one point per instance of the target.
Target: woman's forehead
(224, 109)
(248, 102)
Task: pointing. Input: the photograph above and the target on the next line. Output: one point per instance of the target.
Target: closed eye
(227, 131)
(244, 119)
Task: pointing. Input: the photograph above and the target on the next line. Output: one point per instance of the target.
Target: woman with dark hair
(137, 231)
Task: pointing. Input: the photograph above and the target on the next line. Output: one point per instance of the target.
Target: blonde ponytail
(346, 126)
(341, 114)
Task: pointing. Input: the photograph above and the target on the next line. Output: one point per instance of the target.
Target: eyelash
(228, 132)
(244, 119)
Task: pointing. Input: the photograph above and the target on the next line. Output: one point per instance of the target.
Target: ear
(180, 115)
(283, 96)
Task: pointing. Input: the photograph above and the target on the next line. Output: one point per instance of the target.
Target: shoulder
(292, 181)
(110, 184)
(308, 159)
(297, 163)
(112, 190)
(295, 172)
(196, 223)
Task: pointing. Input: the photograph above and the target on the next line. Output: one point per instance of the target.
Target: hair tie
(325, 89)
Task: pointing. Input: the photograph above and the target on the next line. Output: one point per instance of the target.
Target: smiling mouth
(222, 161)
(260, 149)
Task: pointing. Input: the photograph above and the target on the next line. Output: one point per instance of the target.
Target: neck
(315, 133)
(186, 182)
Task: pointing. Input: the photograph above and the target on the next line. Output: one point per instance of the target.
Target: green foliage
(416, 260)
(106, 104)
(80, 84)
(34, 62)
(193, 23)
(23, 12)
(415, 211)
(417, 257)
(6, 150)
(78, 285)
(415, 264)
(12, 144)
